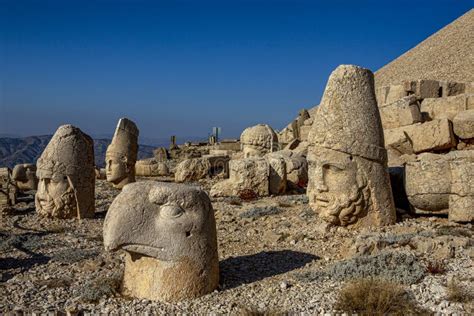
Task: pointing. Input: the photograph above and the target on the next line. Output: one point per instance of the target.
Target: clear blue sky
(181, 67)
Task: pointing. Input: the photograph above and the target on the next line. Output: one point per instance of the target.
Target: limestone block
(449, 107)
(449, 88)
(405, 111)
(296, 167)
(304, 131)
(440, 183)
(423, 89)
(161, 154)
(192, 169)
(398, 141)
(169, 233)
(428, 182)
(461, 207)
(434, 135)
(245, 174)
(463, 124)
(151, 168)
(277, 174)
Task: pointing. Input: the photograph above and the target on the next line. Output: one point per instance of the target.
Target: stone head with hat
(348, 176)
(122, 153)
(66, 175)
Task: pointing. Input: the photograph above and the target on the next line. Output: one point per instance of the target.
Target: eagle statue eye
(171, 211)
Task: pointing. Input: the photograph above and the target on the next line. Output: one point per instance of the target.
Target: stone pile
(426, 116)
(429, 128)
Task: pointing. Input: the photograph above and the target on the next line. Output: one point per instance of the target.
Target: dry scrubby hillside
(28, 149)
(445, 55)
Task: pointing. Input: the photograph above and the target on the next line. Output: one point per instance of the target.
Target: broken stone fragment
(169, 233)
(24, 176)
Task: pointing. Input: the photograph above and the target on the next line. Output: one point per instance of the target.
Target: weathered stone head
(169, 233)
(122, 153)
(66, 175)
(24, 176)
(258, 140)
(348, 176)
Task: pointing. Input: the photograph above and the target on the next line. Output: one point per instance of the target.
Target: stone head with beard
(66, 175)
(348, 176)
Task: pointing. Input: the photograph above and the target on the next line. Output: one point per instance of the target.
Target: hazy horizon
(183, 67)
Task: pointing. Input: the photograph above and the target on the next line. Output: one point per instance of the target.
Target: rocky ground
(276, 256)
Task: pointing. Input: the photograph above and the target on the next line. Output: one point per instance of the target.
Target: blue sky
(182, 67)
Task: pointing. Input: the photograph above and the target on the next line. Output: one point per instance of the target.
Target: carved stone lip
(322, 201)
(143, 249)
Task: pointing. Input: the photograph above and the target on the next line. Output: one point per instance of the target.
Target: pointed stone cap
(348, 118)
(125, 140)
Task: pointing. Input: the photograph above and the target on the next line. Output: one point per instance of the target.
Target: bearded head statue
(348, 175)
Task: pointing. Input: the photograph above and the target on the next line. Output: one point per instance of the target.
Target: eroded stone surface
(442, 183)
(169, 232)
(151, 168)
(463, 124)
(258, 140)
(245, 174)
(24, 176)
(122, 153)
(348, 176)
(66, 175)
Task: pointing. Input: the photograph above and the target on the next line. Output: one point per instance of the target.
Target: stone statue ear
(125, 161)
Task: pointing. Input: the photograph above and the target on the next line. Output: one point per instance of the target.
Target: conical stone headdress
(70, 152)
(125, 141)
(348, 118)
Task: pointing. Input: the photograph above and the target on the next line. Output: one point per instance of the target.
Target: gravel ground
(276, 256)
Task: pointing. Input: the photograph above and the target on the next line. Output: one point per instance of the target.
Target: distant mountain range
(28, 149)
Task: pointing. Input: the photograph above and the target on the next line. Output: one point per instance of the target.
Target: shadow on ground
(236, 271)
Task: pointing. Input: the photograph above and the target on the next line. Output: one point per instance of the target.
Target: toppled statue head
(121, 154)
(348, 175)
(258, 140)
(24, 176)
(66, 175)
(169, 233)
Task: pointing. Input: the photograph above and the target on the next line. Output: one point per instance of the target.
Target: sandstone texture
(442, 183)
(66, 175)
(348, 177)
(122, 153)
(169, 231)
(151, 168)
(463, 124)
(259, 140)
(24, 176)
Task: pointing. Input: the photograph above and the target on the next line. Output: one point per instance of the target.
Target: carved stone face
(55, 197)
(337, 186)
(254, 151)
(116, 168)
(169, 222)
